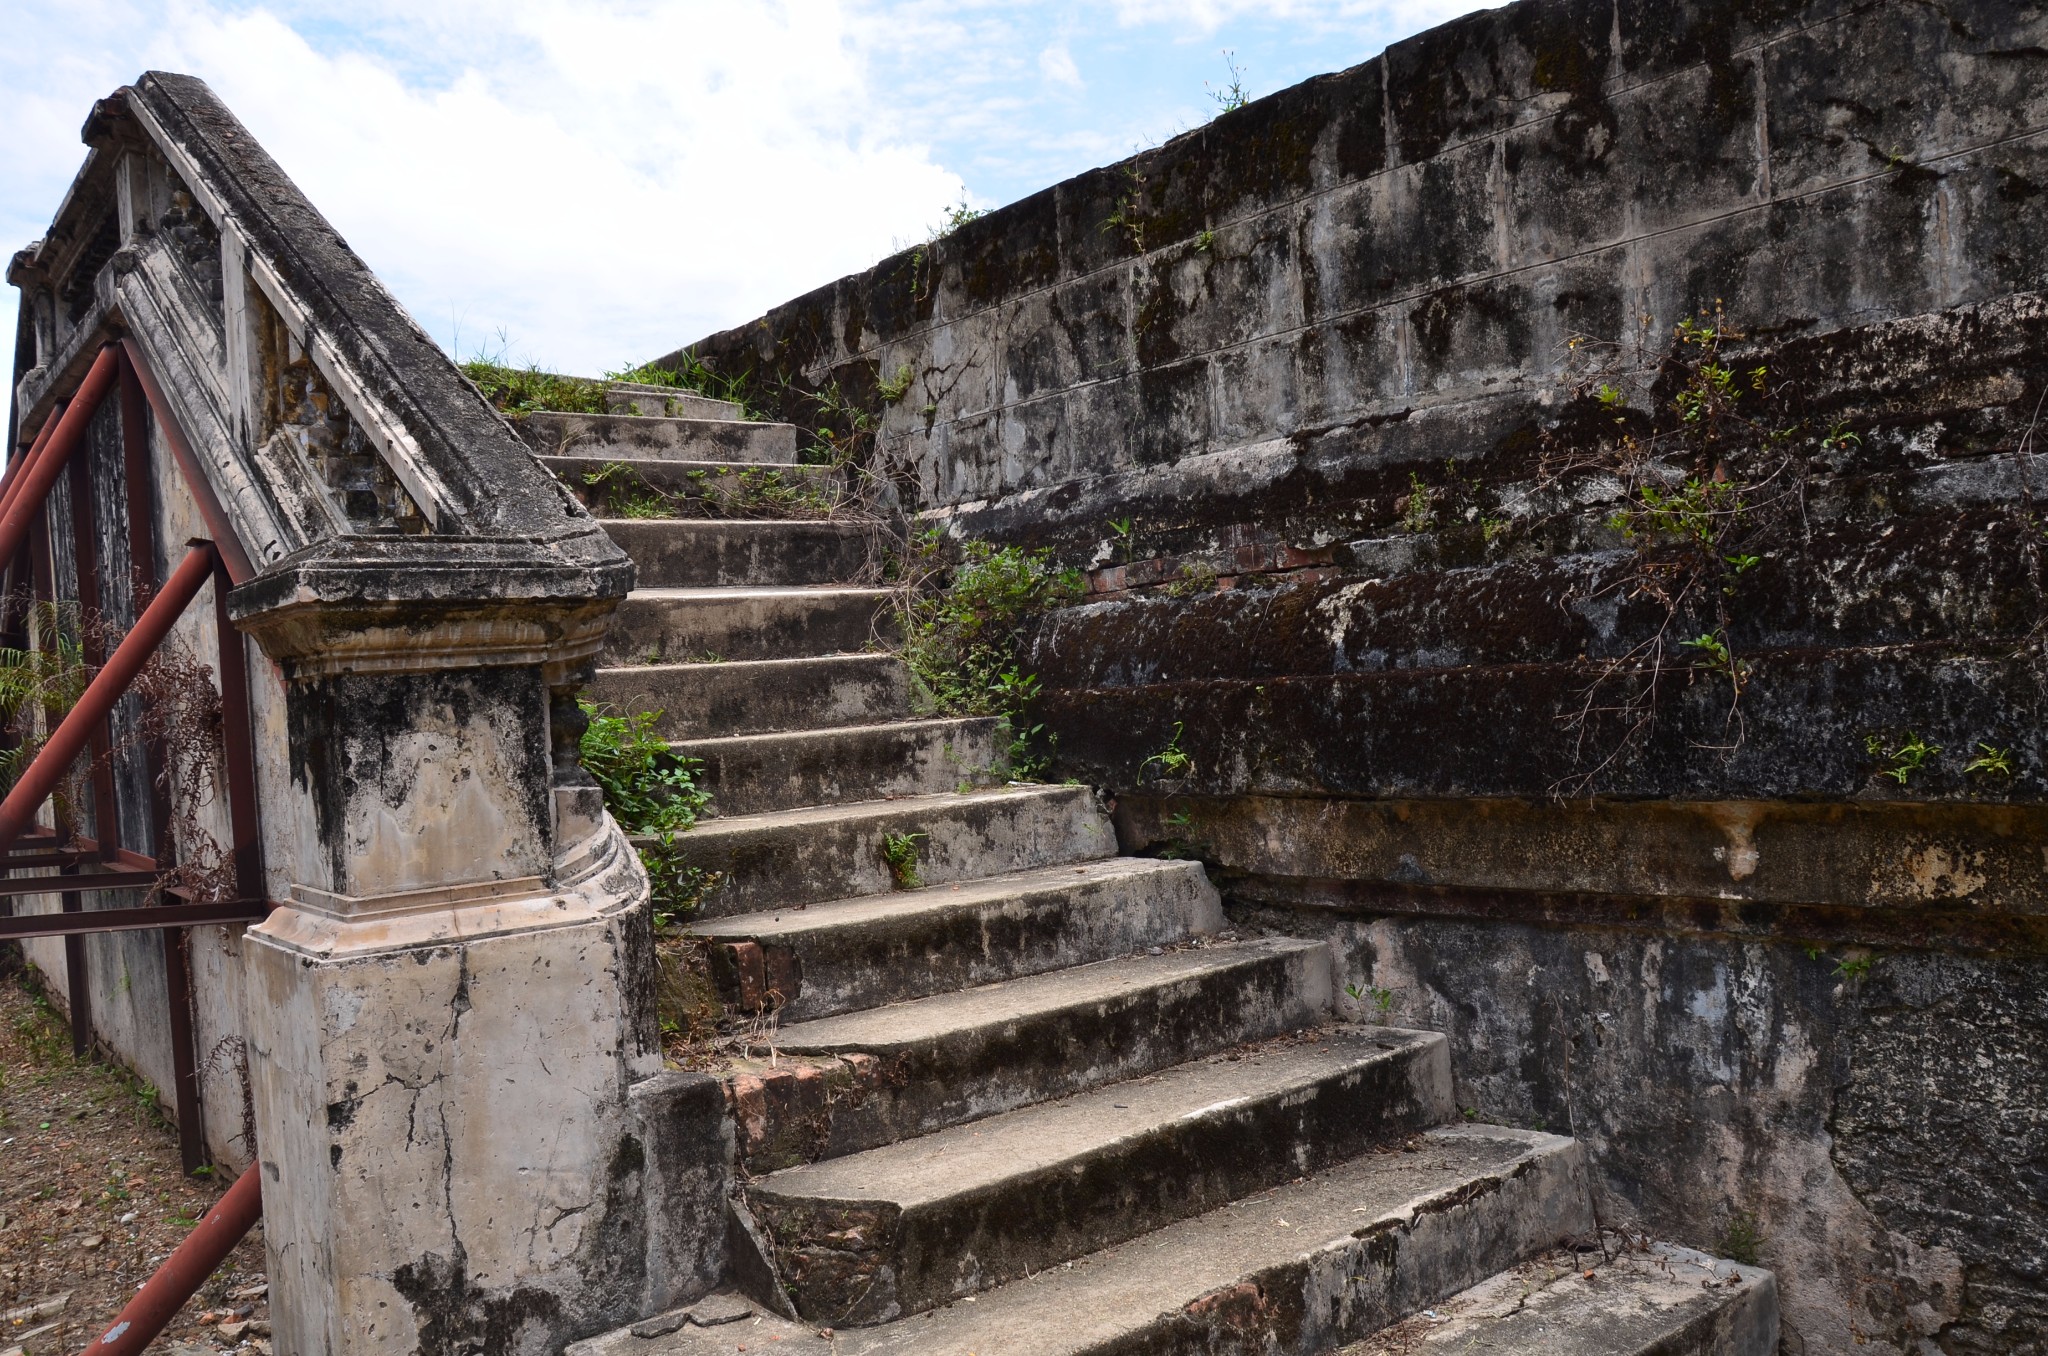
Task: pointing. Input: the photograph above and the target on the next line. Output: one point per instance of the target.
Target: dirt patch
(92, 1198)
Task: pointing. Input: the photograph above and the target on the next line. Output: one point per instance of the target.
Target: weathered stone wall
(1764, 981)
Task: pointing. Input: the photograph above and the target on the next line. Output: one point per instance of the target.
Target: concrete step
(723, 552)
(861, 953)
(654, 626)
(697, 489)
(640, 438)
(901, 1229)
(1296, 1270)
(796, 857)
(754, 774)
(633, 397)
(912, 1068)
(1614, 1298)
(762, 696)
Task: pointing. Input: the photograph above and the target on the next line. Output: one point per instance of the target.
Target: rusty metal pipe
(32, 486)
(10, 482)
(186, 1269)
(47, 768)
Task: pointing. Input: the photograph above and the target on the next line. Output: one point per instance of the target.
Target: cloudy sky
(584, 184)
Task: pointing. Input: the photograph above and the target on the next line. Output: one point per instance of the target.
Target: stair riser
(758, 776)
(628, 438)
(709, 700)
(1392, 1268)
(782, 866)
(695, 553)
(959, 1246)
(660, 630)
(692, 489)
(891, 960)
(877, 1098)
(669, 404)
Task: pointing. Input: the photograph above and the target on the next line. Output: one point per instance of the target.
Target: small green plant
(1716, 657)
(1902, 761)
(1127, 214)
(963, 627)
(1192, 579)
(1120, 536)
(900, 853)
(652, 791)
(1489, 528)
(1232, 96)
(1380, 1001)
(1172, 762)
(1854, 968)
(1991, 761)
(1743, 1239)
(518, 392)
(893, 389)
(1205, 240)
(1418, 514)
(694, 374)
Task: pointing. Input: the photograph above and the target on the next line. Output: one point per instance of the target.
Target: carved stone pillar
(444, 1027)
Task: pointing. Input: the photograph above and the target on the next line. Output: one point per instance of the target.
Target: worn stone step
(723, 552)
(900, 1229)
(807, 856)
(762, 696)
(1613, 1297)
(1297, 1270)
(654, 626)
(642, 438)
(889, 1073)
(633, 397)
(861, 953)
(695, 489)
(753, 774)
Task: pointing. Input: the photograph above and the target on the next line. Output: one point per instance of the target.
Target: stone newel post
(442, 1023)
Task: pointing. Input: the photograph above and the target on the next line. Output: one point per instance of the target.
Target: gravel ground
(92, 1199)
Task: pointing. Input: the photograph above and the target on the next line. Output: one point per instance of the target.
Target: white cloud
(1408, 16)
(1057, 64)
(600, 181)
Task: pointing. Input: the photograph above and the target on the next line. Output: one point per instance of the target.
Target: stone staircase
(1047, 1101)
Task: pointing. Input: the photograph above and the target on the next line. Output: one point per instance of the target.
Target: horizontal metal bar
(128, 920)
(64, 885)
(29, 861)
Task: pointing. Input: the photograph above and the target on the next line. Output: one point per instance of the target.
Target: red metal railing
(25, 489)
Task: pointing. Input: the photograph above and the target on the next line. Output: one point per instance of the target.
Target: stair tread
(1567, 1303)
(973, 1157)
(765, 666)
(1125, 1291)
(868, 729)
(919, 1020)
(788, 925)
(805, 815)
(705, 526)
(722, 593)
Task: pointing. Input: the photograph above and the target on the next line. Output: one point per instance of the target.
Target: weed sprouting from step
(618, 490)
(965, 616)
(691, 373)
(1377, 1001)
(1743, 1240)
(900, 853)
(651, 790)
(518, 392)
